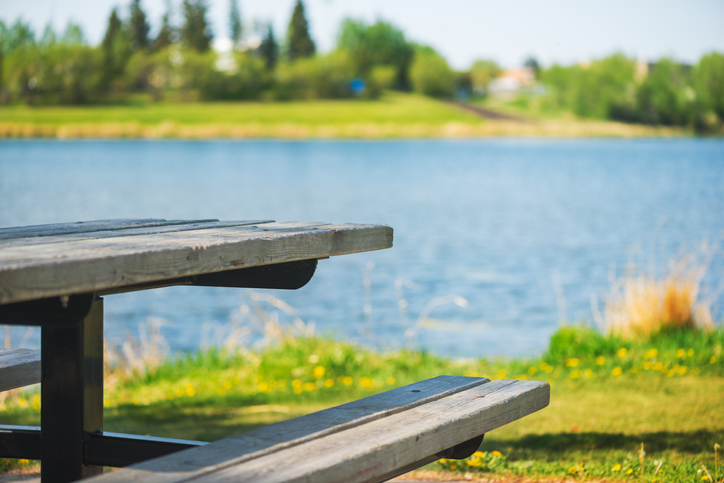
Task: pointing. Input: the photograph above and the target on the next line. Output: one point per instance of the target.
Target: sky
(507, 31)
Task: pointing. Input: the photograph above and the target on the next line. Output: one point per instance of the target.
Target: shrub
(431, 75)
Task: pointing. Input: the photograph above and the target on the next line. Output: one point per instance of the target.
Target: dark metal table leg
(71, 394)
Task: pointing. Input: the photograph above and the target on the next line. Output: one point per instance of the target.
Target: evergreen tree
(235, 23)
(299, 43)
(113, 46)
(138, 27)
(49, 37)
(269, 50)
(73, 34)
(166, 34)
(196, 33)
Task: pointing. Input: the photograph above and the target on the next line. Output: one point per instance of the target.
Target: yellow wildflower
(496, 453)
(263, 387)
(453, 466)
(616, 468)
(532, 370)
(690, 352)
(650, 354)
(622, 352)
(572, 470)
(479, 454)
(347, 381)
(629, 471)
(309, 386)
(575, 374)
(600, 360)
(319, 372)
(681, 353)
(329, 383)
(573, 362)
(365, 382)
(616, 372)
(588, 373)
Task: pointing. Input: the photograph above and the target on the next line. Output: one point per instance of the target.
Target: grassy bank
(609, 396)
(396, 115)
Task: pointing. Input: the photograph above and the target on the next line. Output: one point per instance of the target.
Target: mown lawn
(609, 399)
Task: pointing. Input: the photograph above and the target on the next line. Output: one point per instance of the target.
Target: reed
(642, 305)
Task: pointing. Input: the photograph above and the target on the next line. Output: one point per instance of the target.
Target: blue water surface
(526, 231)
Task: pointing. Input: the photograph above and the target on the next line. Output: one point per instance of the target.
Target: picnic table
(54, 276)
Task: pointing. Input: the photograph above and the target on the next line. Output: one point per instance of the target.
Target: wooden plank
(18, 368)
(298, 431)
(371, 451)
(85, 227)
(31, 272)
(132, 231)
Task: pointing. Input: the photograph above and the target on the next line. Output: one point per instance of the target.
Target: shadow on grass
(683, 442)
(204, 422)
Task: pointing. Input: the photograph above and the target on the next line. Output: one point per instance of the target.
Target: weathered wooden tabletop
(64, 259)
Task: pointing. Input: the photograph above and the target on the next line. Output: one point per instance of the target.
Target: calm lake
(526, 231)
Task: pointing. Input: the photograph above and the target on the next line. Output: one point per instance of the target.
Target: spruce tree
(166, 34)
(235, 26)
(269, 50)
(111, 66)
(299, 43)
(138, 27)
(195, 32)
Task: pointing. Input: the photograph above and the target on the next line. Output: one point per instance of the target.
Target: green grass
(392, 108)
(608, 397)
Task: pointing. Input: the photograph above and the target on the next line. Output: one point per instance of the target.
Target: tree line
(178, 63)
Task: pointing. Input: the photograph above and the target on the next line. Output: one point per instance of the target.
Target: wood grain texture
(131, 230)
(365, 452)
(19, 368)
(85, 227)
(88, 264)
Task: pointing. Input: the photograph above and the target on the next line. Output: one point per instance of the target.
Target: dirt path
(487, 113)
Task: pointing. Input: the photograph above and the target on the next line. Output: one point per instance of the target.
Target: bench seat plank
(353, 448)
(90, 265)
(19, 368)
(84, 227)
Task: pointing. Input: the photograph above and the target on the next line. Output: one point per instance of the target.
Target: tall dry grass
(640, 306)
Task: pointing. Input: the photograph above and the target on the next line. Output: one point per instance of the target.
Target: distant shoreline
(450, 130)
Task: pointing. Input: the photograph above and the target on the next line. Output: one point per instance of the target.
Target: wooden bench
(19, 368)
(369, 440)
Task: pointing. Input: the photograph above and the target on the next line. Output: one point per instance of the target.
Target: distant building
(512, 81)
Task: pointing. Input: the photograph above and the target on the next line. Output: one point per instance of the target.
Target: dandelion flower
(453, 467)
(622, 352)
(681, 353)
(496, 453)
(650, 354)
(573, 362)
(319, 372)
(616, 372)
(616, 468)
(600, 360)
(629, 471)
(329, 383)
(572, 470)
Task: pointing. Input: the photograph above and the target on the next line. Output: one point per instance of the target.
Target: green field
(395, 115)
(608, 398)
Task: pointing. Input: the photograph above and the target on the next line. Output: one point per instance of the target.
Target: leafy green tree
(481, 73)
(138, 27)
(196, 32)
(661, 98)
(235, 26)
(708, 80)
(299, 44)
(268, 49)
(430, 74)
(380, 44)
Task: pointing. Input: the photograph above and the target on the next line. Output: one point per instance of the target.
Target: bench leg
(71, 394)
